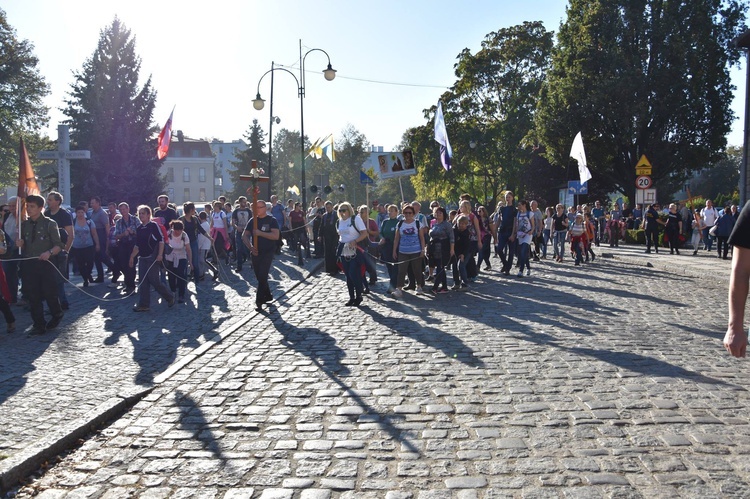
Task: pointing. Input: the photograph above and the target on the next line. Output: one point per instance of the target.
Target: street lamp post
(329, 73)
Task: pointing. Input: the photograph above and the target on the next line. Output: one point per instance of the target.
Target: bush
(635, 236)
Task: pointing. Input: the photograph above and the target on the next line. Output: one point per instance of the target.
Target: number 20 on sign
(643, 182)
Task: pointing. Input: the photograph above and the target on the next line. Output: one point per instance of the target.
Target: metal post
(270, 139)
(302, 132)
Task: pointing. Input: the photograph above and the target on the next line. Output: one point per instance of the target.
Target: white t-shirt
(347, 232)
(709, 216)
(204, 243)
(219, 219)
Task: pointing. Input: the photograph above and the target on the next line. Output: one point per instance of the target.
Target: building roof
(184, 148)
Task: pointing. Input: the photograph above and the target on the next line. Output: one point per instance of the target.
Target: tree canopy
(641, 77)
(22, 90)
(255, 151)
(110, 115)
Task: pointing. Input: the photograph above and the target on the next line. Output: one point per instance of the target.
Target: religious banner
(393, 164)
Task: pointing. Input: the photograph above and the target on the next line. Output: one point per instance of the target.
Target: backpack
(159, 221)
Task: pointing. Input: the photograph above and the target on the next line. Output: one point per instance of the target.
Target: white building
(226, 153)
(189, 170)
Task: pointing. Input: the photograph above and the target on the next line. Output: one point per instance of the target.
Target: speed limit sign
(643, 182)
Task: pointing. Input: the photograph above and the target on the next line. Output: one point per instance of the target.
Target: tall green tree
(641, 77)
(22, 90)
(352, 149)
(255, 151)
(111, 115)
(287, 163)
(490, 107)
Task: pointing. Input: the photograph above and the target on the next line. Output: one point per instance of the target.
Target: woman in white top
(524, 231)
(351, 231)
(178, 261)
(204, 246)
(219, 230)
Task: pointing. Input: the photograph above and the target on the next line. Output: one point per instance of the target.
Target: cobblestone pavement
(603, 381)
(103, 349)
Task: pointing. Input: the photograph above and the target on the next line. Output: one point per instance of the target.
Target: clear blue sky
(206, 58)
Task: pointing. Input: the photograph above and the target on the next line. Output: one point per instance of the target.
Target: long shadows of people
(193, 420)
(451, 346)
(322, 349)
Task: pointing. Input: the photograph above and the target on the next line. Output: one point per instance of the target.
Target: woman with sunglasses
(351, 230)
(408, 250)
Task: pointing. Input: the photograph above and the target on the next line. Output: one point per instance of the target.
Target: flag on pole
(164, 138)
(441, 137)
(294, 190)
(27, 185)
(327, 147)
(577, 153)
(315, 150)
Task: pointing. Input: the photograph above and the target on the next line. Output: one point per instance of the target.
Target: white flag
(441, 137)
(577, 153)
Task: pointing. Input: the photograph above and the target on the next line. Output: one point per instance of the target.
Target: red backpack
(159, 221)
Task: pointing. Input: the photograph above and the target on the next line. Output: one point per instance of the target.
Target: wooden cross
(255, 177)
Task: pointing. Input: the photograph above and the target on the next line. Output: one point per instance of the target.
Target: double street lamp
(258, 104)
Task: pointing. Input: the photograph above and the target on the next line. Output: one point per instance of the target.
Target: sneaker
(36, 331)
(443, 291)
(171, 302)
(420, 291)
(11, 327)
(464, 287)
(430, 279)
(53, 322)
(456, 287)
(520, 273)
(139, 308)
(410, 287)
(397, 293)
(528, 272)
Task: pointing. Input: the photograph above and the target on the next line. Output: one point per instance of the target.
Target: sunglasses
(343, 210)
(408, 213)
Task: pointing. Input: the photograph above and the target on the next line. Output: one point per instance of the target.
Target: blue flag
(441, 137)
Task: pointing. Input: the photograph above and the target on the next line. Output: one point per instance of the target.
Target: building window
(170, 192)
(177, 152)
(186, 198)
(186, 174)
(201, 175)
(221, 150)
(170, 174)
(202, 194)
(196, 153)
(218, 181)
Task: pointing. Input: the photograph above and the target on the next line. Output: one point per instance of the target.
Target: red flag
(26, 183)
(164, 138)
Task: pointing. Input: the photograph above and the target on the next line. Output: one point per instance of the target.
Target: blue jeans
(523, 257)
(503, 242)
(241, 251)
(559, 243)
(459, 271)
(708, 239)
(546, 235)
(353, 271)
(197, 268)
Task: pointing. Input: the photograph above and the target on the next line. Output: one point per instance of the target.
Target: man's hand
(736, 342)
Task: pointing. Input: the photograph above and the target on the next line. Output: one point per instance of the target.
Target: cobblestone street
(603, 381)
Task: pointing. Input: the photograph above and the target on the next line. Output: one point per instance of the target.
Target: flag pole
(403, 199)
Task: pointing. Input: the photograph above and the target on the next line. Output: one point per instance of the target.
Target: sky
(394, 58)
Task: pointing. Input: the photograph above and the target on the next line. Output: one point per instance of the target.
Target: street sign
(643, 171)
(63, 155)
(643, 162)
(365, 178)
(575, 187)
(643, 182)
(645, 196)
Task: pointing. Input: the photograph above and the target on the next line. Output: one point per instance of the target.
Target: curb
(20, 465)
(675, 268)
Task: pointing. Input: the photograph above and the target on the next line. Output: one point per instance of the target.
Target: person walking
(268, 234)
(651, 226)
(125, 230)
(64, 221)
(85, 245)
(352, 231)
(39, 241)
(149, 249)
(178, 260)
(408, 250)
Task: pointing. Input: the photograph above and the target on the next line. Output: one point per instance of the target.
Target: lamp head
(329, 73)
(258, 103)
(277, 120)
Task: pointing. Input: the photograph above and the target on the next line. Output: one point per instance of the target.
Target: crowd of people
(167, 249)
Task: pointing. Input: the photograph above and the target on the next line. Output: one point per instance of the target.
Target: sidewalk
(592, 381)
(703, 264)
(104, 357)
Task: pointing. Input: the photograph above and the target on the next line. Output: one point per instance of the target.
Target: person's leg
(155, 280)
(7, 312)
(144, 291)
(181, 272)
(349, 272)
(124, 251)
(50, 293)
(416, 265)
(61, 276)
(11, 276)
(171, 276)
(402, 270)
(33, 291)
(462, 271)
